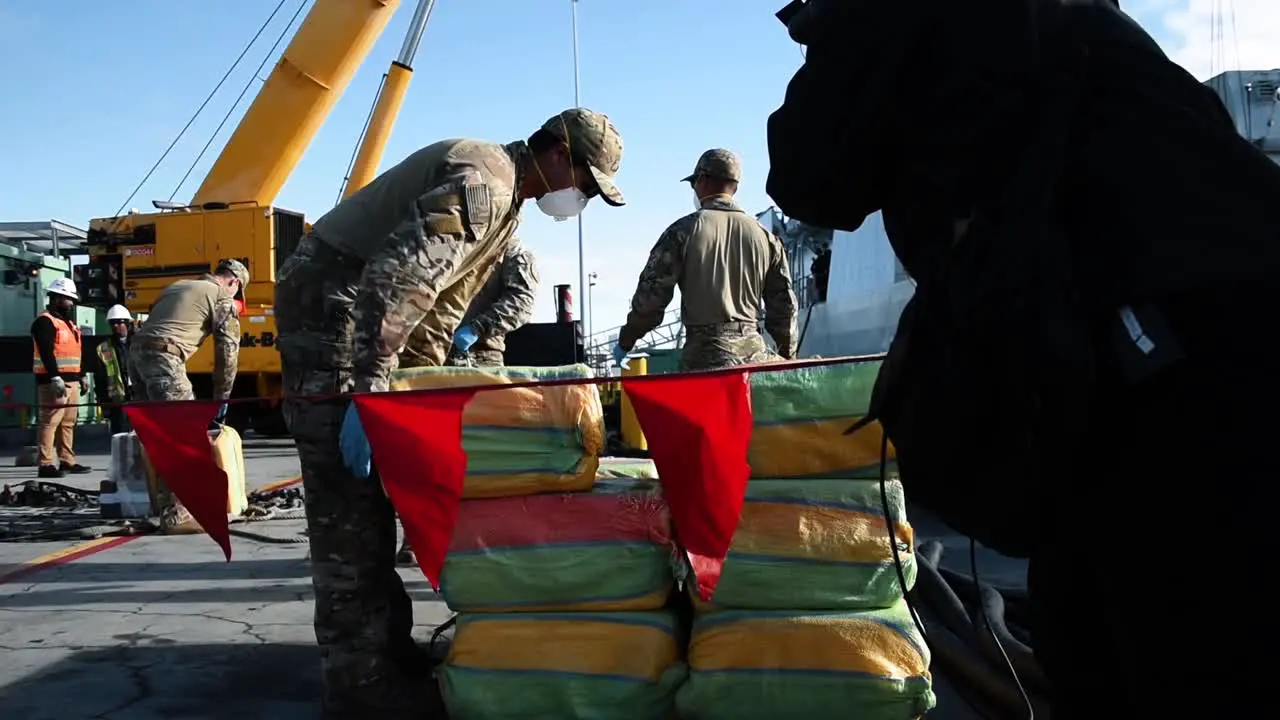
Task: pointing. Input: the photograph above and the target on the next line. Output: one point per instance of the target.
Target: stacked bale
(559, 578)
(808, 618)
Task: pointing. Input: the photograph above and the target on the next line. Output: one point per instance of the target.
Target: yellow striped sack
(799, 417)
(522, 440)
(563, 665)
(870, 665)
(817, 545)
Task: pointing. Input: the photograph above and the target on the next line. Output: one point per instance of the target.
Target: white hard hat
(64, 287)
(118, 312)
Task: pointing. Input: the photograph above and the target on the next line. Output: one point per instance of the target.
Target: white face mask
(563, 204)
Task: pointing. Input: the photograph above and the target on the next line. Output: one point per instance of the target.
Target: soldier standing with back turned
(407, 251)
(725, 264)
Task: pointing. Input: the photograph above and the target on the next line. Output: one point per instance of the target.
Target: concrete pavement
(162, 627)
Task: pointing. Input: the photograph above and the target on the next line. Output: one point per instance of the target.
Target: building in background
(32, 255)
(1252, 98)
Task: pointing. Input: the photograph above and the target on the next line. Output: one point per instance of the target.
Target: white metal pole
(582, 266)
(591, 303)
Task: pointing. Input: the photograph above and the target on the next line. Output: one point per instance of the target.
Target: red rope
(756, 368)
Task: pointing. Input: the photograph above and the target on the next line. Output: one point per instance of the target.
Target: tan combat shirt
(189, 311)
(430, 230)
(726, 265)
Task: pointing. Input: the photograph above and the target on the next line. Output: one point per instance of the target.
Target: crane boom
(387, 106)
(288, 111)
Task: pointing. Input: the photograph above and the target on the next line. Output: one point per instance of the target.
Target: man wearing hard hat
(56, 355)
(113, 367)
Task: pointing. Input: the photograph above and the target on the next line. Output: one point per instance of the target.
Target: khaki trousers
(55, 426)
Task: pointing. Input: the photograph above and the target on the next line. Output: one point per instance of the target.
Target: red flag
(699, 429)
(176, 438)
(418, 439)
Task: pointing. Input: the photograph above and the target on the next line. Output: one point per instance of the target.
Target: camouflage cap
(594, 140)
(235, 267)
(718, 163)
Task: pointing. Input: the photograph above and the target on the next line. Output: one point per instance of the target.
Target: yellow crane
(134, 256)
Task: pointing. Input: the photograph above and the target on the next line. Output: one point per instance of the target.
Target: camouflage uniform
(408, 249)
(504, 303)
(719, 308)
(185, 314)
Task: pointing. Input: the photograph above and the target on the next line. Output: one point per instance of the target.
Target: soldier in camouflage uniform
(180, 320)
(409, 249)
(504, 303)
(726, 265)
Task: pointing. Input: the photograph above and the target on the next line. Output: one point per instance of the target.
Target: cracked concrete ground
(164, 628)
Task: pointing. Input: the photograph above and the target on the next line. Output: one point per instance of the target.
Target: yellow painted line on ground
(277, 485)
(63, 556)
(90, 547)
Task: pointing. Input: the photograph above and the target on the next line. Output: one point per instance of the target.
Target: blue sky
(92, 93)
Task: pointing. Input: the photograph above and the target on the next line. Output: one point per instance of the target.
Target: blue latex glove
(221, 417)
(620, 357)
(465, 337)
(356, 453)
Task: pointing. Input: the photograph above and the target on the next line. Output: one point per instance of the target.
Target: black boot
(49, 472)
(74, 469)
(406, 555)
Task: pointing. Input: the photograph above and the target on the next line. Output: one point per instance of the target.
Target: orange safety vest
(66, 347)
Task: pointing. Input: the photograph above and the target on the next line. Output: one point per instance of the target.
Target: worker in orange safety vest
(56, 362)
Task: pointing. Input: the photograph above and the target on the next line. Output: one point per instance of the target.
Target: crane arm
(387, 107)
(287, 113)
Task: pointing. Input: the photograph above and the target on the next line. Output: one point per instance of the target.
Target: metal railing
(599, 347)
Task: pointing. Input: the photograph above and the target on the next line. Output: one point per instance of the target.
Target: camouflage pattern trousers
(162, 375)
(363, 615)
(158, 375)
(711, 347)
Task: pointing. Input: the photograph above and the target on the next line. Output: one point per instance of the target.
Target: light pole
(582, 267)
(591, 308)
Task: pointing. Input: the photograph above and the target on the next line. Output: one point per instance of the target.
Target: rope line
(489, 387)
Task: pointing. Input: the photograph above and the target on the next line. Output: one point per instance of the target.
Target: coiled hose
(964, 643)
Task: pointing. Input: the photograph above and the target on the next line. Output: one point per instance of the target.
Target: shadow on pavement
(153, 678)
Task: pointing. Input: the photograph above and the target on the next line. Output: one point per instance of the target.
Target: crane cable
(186, 127)
(256, 74)
(346, 176)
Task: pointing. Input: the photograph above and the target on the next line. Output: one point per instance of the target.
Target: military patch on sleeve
(478, 204)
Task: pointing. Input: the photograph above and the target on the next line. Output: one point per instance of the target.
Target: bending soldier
(504, 303)
(725, 264)
(408, 250)
(182, 318)
(186, 314)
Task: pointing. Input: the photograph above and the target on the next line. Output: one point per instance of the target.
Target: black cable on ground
(1001, 699)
